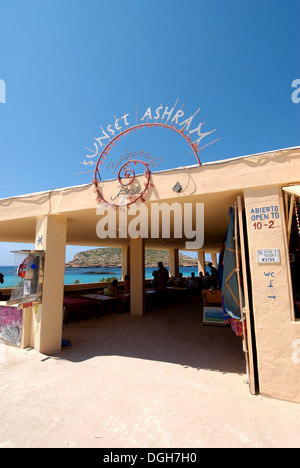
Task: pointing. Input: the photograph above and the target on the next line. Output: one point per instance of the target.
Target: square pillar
(201, 262)
(47, 317)
(214, 260)
(125, 261)
(173, 262)
(137, 276)
(277, 334)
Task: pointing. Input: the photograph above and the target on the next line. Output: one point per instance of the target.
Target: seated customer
(181, 282)
(207, 280)
(200, 280)
(1, 281)
(154, 281)
(172, 282)
(193, 281)
(127, 284)
(111, 290)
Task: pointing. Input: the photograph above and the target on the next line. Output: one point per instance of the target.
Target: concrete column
(201, 261)
(277, 333)
(214, 260)
(173, 262)
(137, 276)
(47, 318)
(125, 261)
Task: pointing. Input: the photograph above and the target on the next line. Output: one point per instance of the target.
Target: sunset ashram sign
(171, 119)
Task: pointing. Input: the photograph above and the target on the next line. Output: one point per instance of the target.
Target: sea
(84, 275)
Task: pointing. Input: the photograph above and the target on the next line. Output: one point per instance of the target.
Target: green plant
(108, 280)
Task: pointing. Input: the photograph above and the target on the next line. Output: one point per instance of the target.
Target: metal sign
(268, 256)
(129, 189)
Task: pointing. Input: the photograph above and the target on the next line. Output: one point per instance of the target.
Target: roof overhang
(216, 185)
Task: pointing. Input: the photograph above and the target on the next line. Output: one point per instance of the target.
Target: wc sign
(2, 92)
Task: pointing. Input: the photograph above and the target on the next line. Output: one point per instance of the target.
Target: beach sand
(162, 381)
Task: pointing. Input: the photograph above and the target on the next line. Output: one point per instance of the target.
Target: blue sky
(72, 65)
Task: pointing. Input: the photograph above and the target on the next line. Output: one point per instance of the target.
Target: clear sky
(72, 65)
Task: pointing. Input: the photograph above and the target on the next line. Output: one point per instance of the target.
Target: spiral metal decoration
(129, 172)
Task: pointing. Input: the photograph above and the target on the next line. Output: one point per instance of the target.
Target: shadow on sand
(173, 334)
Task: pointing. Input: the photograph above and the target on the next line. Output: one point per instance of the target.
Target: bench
(72, 303)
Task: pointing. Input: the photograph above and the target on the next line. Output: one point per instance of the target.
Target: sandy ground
(158, 381)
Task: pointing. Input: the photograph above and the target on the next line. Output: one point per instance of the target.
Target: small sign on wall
(268, 256)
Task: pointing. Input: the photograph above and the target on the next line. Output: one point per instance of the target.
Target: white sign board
(268, 256)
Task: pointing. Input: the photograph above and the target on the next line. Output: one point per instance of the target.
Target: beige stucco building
(263, 189)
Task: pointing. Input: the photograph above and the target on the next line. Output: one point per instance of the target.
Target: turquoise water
(83, 274)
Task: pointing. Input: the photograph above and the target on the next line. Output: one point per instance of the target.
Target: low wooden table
(101, 298)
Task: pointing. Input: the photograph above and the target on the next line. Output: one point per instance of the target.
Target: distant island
(110, 257)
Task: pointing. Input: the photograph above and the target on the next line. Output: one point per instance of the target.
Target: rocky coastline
(111, 258)
(117, 265)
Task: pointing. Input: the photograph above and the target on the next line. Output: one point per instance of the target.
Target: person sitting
(207, 279)
(127, 284)
(193, 281)
(154, 281)
(200, 280)
(181, 282)
(111, 290)
(1, 281)
(172, 282)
